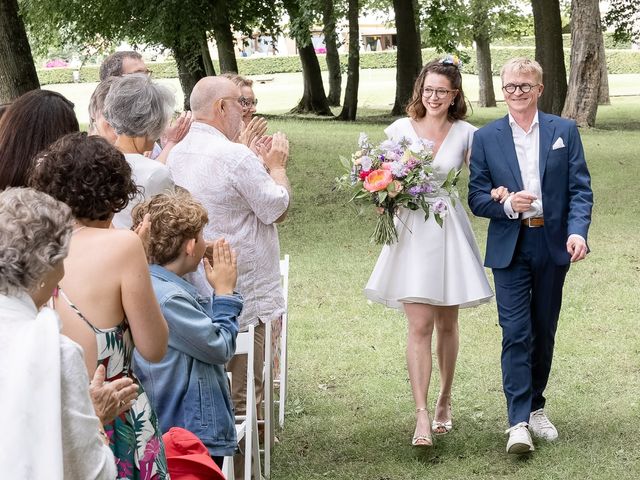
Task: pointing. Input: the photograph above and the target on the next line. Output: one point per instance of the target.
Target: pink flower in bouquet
(386, 165)
(378, 180)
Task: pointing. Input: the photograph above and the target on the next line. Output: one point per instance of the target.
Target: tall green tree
(350, 104)
(17, 71)
(550, 54)
(408, 53)
(329, 16)
(454, 23)
(586, 65)
(314, 98)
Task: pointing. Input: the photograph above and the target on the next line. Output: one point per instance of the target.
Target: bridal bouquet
(397, 174)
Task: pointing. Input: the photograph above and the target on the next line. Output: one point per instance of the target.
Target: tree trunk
(585, 74)
(550, 54)
(17, 71)
(408, 54)
(206, 57)
(350, 105)
(313, 100)
(224, 38)
(188, 55)
(333, 57)
(603, 94)
(487, 96)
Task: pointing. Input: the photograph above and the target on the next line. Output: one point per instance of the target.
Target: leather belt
(533, 222)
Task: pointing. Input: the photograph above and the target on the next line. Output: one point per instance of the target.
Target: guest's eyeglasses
(439, 92)
(248, 102)
(146, 72)
(524, 87)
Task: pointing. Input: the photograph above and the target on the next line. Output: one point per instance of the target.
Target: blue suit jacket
(566, 186)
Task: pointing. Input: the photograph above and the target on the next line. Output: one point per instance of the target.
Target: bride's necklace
(77, 229)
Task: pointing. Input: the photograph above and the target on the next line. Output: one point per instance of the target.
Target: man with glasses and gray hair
(244, 197)
(530, 178)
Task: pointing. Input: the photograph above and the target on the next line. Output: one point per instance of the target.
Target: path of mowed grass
(350, 411)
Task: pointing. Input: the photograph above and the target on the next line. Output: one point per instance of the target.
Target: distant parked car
(321, 50)
(55, 63)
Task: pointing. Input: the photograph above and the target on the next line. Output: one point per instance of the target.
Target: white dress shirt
(243, 202)
(528, 152)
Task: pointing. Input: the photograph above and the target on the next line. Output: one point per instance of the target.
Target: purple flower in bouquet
(398, 169)
(366, 163)
(440, 207)
(363, 140)
(389, 145)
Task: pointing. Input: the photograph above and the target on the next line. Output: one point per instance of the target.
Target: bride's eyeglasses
(439, 92)
(247, 102)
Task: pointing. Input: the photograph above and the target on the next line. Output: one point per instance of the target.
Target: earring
(453, 103)
(42, 284)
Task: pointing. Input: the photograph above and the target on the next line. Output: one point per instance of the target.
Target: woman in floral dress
(105, 300)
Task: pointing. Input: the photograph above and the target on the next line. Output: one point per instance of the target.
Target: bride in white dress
(432, 271)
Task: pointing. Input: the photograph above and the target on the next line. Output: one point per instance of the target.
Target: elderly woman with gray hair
(139, 110)
(50, 429)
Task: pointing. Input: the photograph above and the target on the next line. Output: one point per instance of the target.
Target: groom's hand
(521, 201)
(577, 248)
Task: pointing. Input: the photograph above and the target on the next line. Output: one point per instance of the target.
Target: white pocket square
(558, 144)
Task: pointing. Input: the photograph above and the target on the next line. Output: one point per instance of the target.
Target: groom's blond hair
(522, 65)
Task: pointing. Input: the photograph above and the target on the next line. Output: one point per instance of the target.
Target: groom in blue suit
(530, 178)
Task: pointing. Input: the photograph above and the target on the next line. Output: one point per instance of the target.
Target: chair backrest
(284, 274)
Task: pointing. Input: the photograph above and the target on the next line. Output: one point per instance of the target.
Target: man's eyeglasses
(248, 102)
(524, 87)
(439, 92)
(146, 72)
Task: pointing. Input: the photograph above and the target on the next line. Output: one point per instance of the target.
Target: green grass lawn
(350, 414)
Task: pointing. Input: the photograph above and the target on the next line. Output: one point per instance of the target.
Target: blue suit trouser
(529, 297)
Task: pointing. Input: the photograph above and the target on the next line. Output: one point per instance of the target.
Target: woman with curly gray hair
(139, 111)
(50, 429)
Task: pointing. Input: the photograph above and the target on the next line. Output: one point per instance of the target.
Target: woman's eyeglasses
(248, 102)
(439, 92)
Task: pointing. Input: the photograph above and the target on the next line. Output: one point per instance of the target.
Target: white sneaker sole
(519, 448)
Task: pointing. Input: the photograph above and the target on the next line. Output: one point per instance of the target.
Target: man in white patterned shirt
(245, 196)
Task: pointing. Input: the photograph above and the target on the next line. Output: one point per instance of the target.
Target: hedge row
(618, 61)
(530, 41)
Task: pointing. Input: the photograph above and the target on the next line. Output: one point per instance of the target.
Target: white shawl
(30, 410)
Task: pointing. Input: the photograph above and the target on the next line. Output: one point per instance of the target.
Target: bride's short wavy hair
(457, 111)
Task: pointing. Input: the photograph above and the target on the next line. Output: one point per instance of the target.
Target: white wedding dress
(432, 264)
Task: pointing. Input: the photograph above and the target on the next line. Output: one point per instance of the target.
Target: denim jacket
(189, 388)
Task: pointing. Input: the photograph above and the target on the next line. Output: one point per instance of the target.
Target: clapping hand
(221, 267)
(143, 230)
(253, 131)
(110, 399)
(278, 154)
(176, 132)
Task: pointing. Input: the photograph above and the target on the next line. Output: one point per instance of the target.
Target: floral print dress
(134, 436)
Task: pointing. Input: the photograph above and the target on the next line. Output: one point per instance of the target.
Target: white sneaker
(519, 439)
(541, 427)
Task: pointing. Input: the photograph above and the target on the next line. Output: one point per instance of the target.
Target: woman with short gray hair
(49, 423)
(139, 110)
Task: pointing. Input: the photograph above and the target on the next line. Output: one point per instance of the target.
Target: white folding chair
(247, 425)
(281, 381)
(279, 354)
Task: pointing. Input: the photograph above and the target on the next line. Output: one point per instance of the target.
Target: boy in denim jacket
(188, 388)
